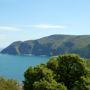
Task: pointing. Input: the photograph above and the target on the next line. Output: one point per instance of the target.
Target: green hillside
(52, 46)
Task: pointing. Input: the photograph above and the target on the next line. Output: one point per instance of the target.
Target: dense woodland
(65, 72)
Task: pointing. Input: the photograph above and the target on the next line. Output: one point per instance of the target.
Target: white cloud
(7, 28)
(46, 26)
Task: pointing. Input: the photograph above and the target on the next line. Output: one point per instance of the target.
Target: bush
(8, 84)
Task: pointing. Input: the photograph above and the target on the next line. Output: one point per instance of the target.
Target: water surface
(14, 66)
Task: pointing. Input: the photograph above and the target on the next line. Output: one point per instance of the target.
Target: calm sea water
(14, 66)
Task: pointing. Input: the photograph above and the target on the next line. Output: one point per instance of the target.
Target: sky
(32, 19)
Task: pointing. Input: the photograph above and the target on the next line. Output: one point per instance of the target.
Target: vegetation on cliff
(52, 45)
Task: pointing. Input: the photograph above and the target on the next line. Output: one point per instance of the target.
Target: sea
(13, 66)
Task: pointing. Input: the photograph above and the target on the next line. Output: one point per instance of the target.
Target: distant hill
(52, 46)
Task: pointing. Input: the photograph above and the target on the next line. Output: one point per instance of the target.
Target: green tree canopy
(37, 73)
(65, 72)
(48, 85)
(88, 63)
(8, 84)
(70, 69)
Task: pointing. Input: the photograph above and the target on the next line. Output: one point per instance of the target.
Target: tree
(48, 85)
(82, 84)
(40, 78)
(34, 74)
(52, 64)
(8, 84)
(61, 73)
(88, 63)
(70, 69)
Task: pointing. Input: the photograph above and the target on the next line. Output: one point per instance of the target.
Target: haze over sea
(13, 66)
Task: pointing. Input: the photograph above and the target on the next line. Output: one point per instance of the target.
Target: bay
(13, 66)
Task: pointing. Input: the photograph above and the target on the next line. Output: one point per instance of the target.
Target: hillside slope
(52, 46)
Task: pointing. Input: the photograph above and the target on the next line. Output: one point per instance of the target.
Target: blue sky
(32, 19)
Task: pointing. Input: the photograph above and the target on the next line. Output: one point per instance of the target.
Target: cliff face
(52, 46)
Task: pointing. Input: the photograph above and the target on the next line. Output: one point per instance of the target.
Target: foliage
(61, 73)
(8, 84)
(48, 85)
(82, 84)
(72, 66)
(36, 73)
(52, 64)
(88, 63)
